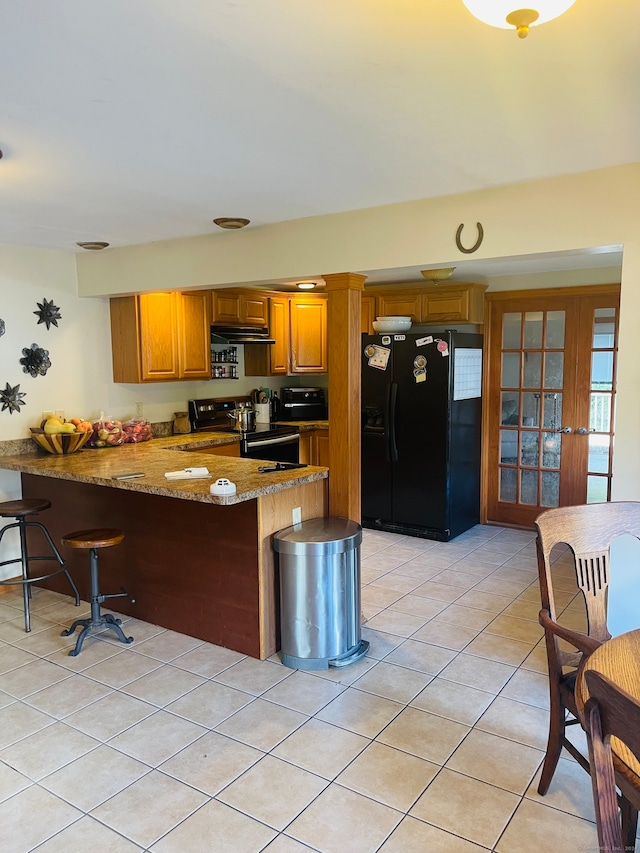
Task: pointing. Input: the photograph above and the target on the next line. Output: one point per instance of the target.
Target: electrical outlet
(296, 515)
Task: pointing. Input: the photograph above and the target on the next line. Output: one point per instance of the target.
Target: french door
(550, 400)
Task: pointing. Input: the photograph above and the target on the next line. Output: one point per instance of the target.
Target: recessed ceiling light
(305, 285)
(231, 222)
(93, 245)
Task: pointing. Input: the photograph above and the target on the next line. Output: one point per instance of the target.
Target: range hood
(240, 335)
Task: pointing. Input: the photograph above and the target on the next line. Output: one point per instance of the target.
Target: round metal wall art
(12, 398)
(35, 360)
(2, 328)
(48, 313)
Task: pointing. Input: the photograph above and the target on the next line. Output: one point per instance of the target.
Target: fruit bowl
(61, 442)
(384, 325)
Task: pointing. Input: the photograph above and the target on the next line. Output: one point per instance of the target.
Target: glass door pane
(531, 395)
(601, 401)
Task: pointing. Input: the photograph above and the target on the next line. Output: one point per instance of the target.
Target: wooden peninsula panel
(198, 568)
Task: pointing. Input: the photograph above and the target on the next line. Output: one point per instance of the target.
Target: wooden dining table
(618, 659)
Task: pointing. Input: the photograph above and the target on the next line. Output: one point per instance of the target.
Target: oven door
(282, 448)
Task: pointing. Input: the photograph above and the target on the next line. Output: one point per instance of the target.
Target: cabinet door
(321, 447)
(367, 314)
(158, 329)
(225, 308)
(399, 304)
(308, 323)
(463, 303)
(279, 331)
(254, 310)
(194, 338)
(306, 447)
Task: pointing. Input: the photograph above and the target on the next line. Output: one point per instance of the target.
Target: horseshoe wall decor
(476, 245)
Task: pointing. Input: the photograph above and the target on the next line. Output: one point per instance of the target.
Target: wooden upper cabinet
(298, 324)
(278, 353)
(158, 337)
(308, 331)
(403, 304)
(462, 302)
(239, 308)
(194, 334)
(367, 314)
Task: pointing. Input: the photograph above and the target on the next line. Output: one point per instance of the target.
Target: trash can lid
(319, 536)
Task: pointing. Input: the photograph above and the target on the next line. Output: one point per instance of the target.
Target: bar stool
(21, 510)
(93, 540)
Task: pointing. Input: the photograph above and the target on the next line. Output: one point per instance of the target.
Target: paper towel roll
(262, 413)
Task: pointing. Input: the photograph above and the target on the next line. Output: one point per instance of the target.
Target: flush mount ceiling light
(436, 276)
(231, 222)
(507, 13)
(305, 285)
(93, 245)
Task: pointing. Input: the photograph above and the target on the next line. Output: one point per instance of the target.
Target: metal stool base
(98, 620)
(104, 620)
(25, 559)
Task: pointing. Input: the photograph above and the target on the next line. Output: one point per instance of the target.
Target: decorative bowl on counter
(60, 442)
(384, 325)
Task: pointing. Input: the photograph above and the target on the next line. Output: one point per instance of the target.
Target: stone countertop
(153, 458)
(306, 426)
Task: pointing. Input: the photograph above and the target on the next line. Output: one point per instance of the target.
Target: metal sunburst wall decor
(11, 398)
(48, 313)
(36, 360)
(2, 328)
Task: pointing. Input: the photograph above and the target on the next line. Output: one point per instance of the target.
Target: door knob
(565, 430)
(584, 431)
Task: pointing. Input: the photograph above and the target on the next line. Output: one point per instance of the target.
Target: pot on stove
(243, 417)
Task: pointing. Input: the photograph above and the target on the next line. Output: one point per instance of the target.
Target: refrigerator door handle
(391, 422)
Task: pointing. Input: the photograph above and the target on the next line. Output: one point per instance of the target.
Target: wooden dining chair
(588, 530)
(611, 711)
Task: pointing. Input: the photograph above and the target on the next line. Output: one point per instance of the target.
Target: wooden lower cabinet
(222, 449)
(314, 447)
(321, 447)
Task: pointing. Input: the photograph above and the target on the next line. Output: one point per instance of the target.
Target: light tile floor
(431, 744)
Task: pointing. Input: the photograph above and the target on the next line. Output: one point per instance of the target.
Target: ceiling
(132, 122)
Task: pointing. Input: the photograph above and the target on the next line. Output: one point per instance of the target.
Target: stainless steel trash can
(320, 593)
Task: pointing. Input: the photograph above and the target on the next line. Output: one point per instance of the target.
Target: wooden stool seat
(101, 537)
(21, 511)
(18, 509)
(92, 540)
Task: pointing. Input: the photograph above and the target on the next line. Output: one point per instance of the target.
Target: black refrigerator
(420, 441)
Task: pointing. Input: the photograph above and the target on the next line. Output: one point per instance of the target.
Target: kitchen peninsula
(193, 562)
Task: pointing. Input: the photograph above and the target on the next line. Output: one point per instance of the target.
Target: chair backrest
(588, 530)
(609, 711)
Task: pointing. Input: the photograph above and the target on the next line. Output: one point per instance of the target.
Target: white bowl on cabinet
(386, 325)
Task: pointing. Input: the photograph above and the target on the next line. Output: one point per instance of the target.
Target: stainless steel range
(272, 442)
